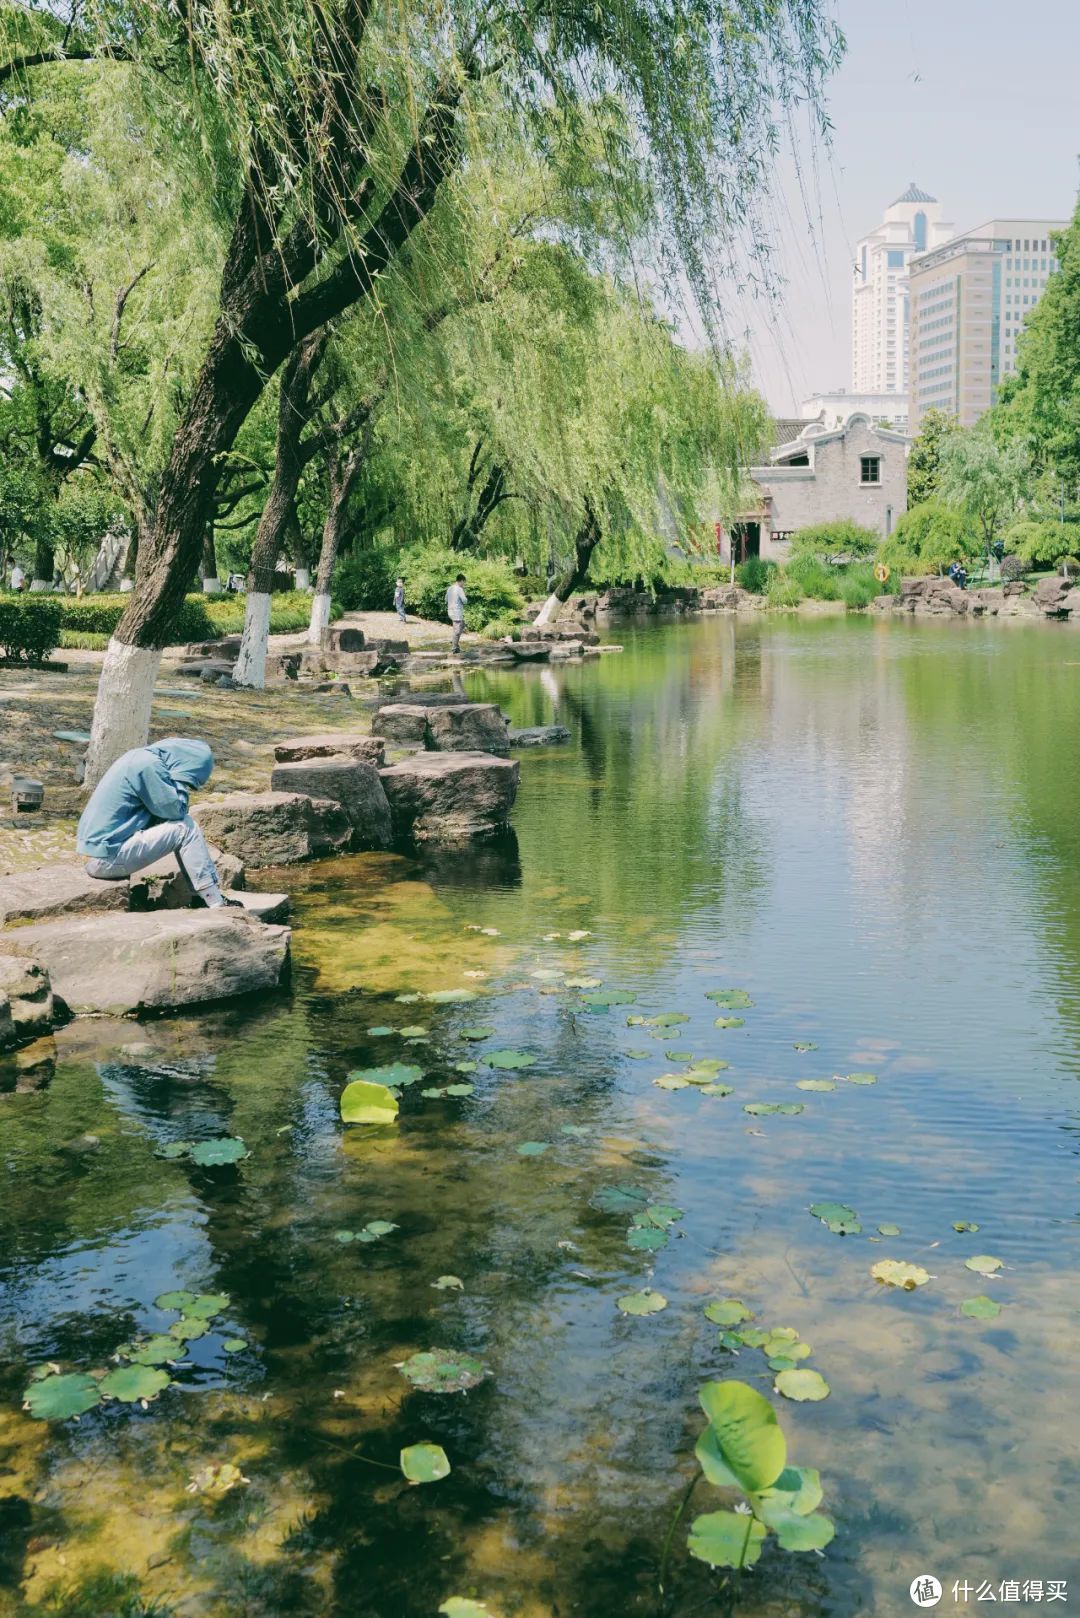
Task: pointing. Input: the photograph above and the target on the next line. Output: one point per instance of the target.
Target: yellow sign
(881, 572)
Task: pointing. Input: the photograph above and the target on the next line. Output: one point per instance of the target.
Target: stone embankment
(932, 597)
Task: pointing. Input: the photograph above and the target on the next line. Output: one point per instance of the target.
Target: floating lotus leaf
(730, 1022)
(424, 1463)
(546, 974)
(533, 1148)
(132, 1384)
(894, 1273)
(733, 999)
(639, 1055)
(216, 1480)
(729, 1339)
(583, 983)
(804, 1045)
(667, 1019)
(463, 1607)
(717, 1090)
(175, 1300)
(889, 1230)
(157, 1350)
(980, 1308)
(443, 1370)
(799, 1533)
(579, 1131)
(798, 1489)
(709, 1065)
(815, 1084)
(175, 1148)
(752, 1336)
(672, 1081)
(363, 1102)
(663, 1214)
(802, 1385)
(965, 1226)
(767, 1109)
(726, 1539)
(634, 1021)
(477, 1031)
(611, 997)
(59, 1397)
(509, 1059)
(380, 1227)
(214, 1153)
(380, 1032)
(646, 1238)
(618, 1199)
(448, 1283)
(460, 1089)
(578, 934)
(983, 1264)
(414, 1031)
(395, 1075)
(234, 1345)
(786, 1348)
(189, 1329)
(832, 1211)
(743, 1445)
(782, 1362)
(860, 1078)
(679, 1056)
(449, 997)
(466, 1067)
(645, 1302)
(728, 1312)
(207, 1304)
(434, 1092)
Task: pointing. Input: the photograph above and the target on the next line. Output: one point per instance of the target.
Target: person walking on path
(456, 600)
(139, 813)
(399, 600)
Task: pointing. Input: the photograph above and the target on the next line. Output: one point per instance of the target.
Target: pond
(868, 828)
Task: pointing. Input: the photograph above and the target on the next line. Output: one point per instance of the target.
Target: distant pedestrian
(399, 600)
(18, 578)
(456, 600)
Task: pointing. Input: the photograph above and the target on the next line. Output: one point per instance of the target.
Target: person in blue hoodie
(138, 813)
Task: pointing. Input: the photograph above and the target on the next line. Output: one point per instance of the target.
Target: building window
(920, 232)
(869, 468)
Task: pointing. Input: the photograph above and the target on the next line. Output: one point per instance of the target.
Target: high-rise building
(969, 299)
(879, 312)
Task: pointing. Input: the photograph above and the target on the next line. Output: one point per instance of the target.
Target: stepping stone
(263, 906)
(342, 638)
(402, 722)
(331, 744)
(119, 964)
(539, 736)
(57, 890)
(274, 828)
(471, 727)
(352, 783)
(450, 796)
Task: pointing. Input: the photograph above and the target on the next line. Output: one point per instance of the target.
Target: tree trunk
(44, 562)
(585, 542)
(344, 467)
(208, 568)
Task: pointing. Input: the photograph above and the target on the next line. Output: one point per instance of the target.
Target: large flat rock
(352, 783)
(402, 722)
(274, 828)
(120, 964)
(469, 727)
(57, 890)
(449, 796)
(331, 744)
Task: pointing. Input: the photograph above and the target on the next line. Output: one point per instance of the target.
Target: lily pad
(889, 1230)
(860, 1078)
(667, 1019)
(395, 1075)
(380, 1032)
(450, 997)
(466, 1067)
(463, 1607)
(175, 1149)
(965, 1226)
(434, 1092)
(679, 1056)
(207, 1304)
(728, 1312)
(461, 1089)
(214, 1153)
(189, 1329)
(798, 1533)
(639, 1055)
(797, 1487)
(829, 1211)
(767, 1109)
(984, 1264)
(58, 1398)
(477, 1031)
(980, 1308)
(815, 1084)
(716, 1090)
(424, 1463)
(743, 1445)
(804, 1045)
(415, 1031)
(663, 1214)
(802, 1385)
(894, 1273)
(726, 1539)
(730, 1022)
(611, 997)
(533, 1148)
(672, 1081)
(132, 1384)
(175, 1300)
(646, 1238)
(619, 1199)
(380, 1227)
(234, 1345)
(733, 999)
(578, 1131)
(156, 1350)
(509, 1059)
(448, 1283)
(443, 1370)
(363, 1102)
(645, 1302)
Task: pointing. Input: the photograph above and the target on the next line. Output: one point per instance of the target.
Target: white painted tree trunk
(320, 616)
(122, 710)
(549, 611)
(251, 664)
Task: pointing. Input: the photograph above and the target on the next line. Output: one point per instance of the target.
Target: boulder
(118, 964)
(448, 796)
(57, 890)
(331, 744)
(538, 735)
(209, 668)
(342, 638)
(1050, 593)
(352, 783)
(26, 992)
(1071, 602)
(402, 722)
(264, 906)
(274, 828)
(469, 727)
(165, 884)
(316, 661)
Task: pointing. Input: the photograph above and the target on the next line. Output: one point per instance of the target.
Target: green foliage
(29, 627)
(493, 590)
(927, 538)
(1040, 542)
(364, 580)
(834, 541)
(754, 575)
(983, 480)
(201, 617)
(784, 591)
(1012, 569)
(924, 458)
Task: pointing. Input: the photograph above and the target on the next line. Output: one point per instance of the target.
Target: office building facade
(879, 310)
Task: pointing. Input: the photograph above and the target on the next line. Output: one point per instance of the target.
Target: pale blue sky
(975, 100)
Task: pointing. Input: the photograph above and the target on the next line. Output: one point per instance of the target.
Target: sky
(974, 100)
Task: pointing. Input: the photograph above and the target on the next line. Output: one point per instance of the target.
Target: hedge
(29, 627)
(200, 618)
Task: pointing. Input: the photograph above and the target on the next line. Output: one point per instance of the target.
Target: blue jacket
(143, 787)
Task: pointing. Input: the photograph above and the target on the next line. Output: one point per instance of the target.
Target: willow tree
(330, 126)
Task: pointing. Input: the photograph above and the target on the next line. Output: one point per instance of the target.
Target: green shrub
(499, 628)
(927, 538)
(1040, 542)
(29, 627)
(492, 589)
(858, 586)
(784, 591)
(843, 539)
(1012, 568)
(364, 580)
(819, 580)
(754, 574)
(200, 618)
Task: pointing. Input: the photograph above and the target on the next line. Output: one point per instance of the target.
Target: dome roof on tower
(914, 193)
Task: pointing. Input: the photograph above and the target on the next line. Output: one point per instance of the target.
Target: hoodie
(143, 787)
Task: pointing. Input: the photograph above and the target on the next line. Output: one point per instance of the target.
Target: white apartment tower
(879, 312)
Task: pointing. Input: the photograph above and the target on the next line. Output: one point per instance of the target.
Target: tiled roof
(914, 193)
(785, 428)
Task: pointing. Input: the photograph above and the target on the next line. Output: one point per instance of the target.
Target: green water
(871, 828)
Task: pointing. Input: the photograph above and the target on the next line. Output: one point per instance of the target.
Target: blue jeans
(183, 838)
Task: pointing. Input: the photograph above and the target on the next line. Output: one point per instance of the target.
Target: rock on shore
(448, 796)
